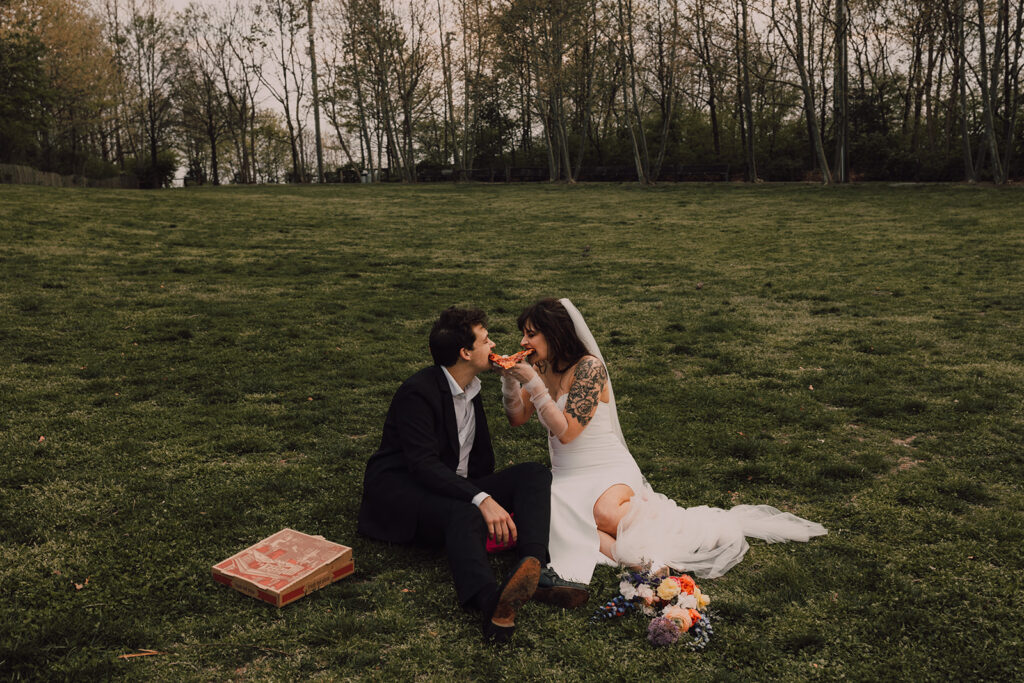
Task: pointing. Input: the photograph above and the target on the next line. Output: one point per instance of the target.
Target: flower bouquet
(675, 602)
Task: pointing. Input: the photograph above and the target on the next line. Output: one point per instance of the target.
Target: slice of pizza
(508, 361)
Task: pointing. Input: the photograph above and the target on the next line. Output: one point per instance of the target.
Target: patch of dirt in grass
(905, 463)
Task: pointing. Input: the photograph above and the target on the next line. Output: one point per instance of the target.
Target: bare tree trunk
(588, 56)
(148, 42)
(316, 94)
(449, 97)
(703, 47)
(936, 103)
(335, 121)
(796, 48)
(839, 92)
(213, 136)
(553, 170)
(961, 58)
(952, 99)
(364, 127)
(564, 146)
(924, 97)
(807, 86)
(528, 105)
(286, 24)
(254, 173)
(818, 69)
(913, 77)
(470, 78)
(631, 106)
(668, 55)
(748, 109)
(237, 76)
(986, 99)
(1011, 82)
(555, 32)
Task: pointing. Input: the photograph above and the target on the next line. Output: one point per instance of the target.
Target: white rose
(628, 590)
(686, 601)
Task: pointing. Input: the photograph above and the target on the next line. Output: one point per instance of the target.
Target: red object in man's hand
(509, 361)
(495, 547)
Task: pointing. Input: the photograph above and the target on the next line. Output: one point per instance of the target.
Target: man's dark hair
(549, 317)
(452, 332)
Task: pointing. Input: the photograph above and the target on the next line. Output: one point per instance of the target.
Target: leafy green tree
(147, 51)
(26, 92)
(202, 105)
(57, 77)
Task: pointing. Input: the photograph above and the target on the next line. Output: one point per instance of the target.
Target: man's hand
(500, 527)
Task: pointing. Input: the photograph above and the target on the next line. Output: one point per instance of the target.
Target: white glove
(547, 410)
(511, 395)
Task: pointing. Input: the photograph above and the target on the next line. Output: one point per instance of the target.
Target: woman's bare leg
(609, 510)
(607, 544)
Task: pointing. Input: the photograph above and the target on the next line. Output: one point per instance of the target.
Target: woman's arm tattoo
(588, 381)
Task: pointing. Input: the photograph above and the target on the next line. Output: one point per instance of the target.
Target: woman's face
(534, 339)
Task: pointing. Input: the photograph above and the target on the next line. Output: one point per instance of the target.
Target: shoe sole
(519, 588)
(565, 597)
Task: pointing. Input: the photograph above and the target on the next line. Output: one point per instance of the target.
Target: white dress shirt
(465, 421)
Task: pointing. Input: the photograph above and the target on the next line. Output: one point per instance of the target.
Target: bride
(603, 511)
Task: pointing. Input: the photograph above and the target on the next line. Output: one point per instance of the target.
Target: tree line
(249, 91)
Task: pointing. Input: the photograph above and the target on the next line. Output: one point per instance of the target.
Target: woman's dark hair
(452, 332)
(550, 318)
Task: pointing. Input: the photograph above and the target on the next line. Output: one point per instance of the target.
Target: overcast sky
(178, 5)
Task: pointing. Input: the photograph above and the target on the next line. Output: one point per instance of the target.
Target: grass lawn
(184, 372)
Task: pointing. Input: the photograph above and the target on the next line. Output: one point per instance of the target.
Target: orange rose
(686, 584)
(694, 616)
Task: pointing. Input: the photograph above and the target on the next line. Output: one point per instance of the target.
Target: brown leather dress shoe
(500, 622)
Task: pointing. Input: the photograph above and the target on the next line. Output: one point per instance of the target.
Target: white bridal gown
(703, 540)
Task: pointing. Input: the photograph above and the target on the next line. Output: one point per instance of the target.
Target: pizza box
(284, 567)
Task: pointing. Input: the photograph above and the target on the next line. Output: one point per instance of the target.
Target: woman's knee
(611, 506)
(606, 519)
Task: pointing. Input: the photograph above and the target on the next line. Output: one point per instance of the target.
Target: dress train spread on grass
(704, 540)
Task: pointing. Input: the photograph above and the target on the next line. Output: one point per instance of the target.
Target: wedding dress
(703, 540)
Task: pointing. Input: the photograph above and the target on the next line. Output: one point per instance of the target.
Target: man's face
(481, 349)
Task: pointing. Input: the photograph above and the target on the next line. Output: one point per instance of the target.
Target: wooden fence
(669, 172)
(25, 175)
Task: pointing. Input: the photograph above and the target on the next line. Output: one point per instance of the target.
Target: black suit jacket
(419, 451)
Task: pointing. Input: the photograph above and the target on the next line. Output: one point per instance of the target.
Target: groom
(432, 482)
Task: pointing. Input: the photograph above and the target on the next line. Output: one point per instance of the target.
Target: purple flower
(662, 631)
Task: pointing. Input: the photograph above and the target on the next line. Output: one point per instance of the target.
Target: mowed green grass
(186, 372)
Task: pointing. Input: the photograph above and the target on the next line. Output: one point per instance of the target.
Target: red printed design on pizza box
(286, 566)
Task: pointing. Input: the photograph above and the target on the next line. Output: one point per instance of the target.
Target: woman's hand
(513, 397)
(522, 371)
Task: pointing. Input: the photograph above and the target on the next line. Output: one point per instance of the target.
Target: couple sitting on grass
(432, 481)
